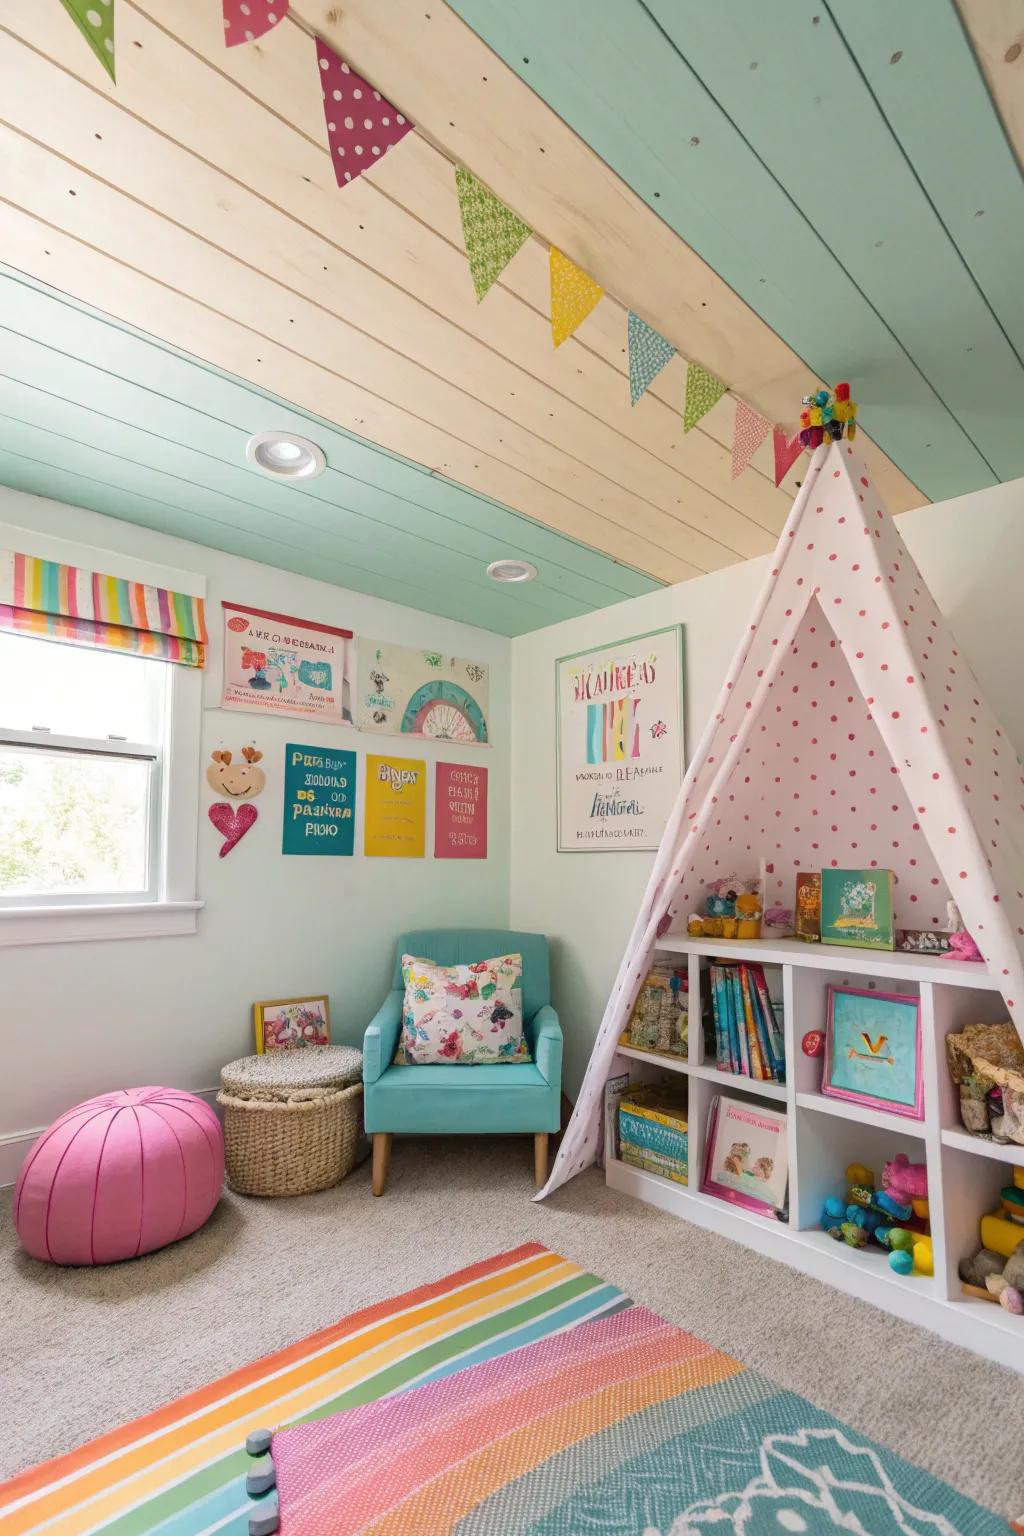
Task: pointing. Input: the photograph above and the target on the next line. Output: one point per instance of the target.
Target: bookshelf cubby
(825, 1134)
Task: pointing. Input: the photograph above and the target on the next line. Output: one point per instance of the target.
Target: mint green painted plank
(71, 327)
(359, 569)
(35, 381)
(806, 98)
(607, 69)
(937, 103)
(39, 478)
(233, 496)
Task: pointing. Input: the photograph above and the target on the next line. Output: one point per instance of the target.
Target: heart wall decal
(232, 822)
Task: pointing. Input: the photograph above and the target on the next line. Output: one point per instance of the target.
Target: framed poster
(405, 692)
(460, 811)
(619, 742)
(287, 1023)
(278, 665)
(319, 800)
(396, 807)
(873, 1050)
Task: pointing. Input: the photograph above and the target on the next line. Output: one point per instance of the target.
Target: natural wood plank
(198, 197)
(996, 32)
(463, 97)
(46, 252)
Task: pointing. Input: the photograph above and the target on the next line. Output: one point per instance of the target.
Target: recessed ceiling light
(511, 570)
(285, 456)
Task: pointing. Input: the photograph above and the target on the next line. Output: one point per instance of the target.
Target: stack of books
(748, 1032)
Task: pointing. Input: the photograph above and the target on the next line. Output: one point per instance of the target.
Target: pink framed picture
(745, 1155)
(873, 1050)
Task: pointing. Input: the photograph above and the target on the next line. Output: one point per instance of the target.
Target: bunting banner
(573, 296)
(750, 432)
(491, 233)
(95, 20)
(648, 354)
(362, 125)
(787, 451)
(246, 20)
(703, 391)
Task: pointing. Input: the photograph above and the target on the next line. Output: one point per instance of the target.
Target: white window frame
(170, 906)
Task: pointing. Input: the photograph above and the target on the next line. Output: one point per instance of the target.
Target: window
(87, 774)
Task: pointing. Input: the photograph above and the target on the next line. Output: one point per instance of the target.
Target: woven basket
(291, 1147)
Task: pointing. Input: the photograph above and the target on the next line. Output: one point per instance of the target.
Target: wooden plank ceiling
(195, 203)
(860, 143)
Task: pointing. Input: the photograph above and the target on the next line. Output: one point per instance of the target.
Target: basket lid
(323, 1067)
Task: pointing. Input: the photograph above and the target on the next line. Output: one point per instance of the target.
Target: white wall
(76, 1018)
(971, 553)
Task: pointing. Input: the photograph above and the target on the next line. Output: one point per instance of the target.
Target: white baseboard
(15, 1145)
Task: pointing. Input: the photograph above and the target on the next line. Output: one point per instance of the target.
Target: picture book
(807, 911)
(614, 1088)
(747, 1028)
(856, 908)
(746, 1158)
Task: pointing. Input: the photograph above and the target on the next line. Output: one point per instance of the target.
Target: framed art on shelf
(287, 1023)
(619, 742)
(873, 1050)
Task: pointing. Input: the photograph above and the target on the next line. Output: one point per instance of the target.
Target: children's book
(765, 1060)
(856, 908)
(807, 916)
(767, 1014)
(746, 1159)
(614, 1088)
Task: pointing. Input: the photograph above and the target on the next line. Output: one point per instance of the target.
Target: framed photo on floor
(619, 743)
(873, 1050)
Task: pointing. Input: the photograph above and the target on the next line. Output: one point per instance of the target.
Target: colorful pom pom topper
(826, 417)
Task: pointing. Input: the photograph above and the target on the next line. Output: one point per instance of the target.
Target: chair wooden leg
(381, 1159)
(540, 1159)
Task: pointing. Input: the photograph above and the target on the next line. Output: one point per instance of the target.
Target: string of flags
(363, 126)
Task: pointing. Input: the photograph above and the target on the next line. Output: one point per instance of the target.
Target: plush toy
(870, 1214)
(995, 1277)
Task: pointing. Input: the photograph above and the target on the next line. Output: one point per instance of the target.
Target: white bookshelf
(825, 1134)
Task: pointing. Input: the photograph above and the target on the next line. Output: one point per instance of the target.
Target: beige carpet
(83, 1350)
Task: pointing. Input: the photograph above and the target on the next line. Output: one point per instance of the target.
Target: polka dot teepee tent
(850, 733)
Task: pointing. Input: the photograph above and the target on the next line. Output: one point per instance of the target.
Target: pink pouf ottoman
(120, 1175)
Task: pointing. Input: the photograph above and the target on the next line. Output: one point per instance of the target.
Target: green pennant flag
(703, 391)
(491, 232)
(95, 21)
(648, 354)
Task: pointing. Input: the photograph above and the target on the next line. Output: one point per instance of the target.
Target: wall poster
(279, 665)
(396, 807)
(319, 800)
(619, 742)
(460, 811)
(405, 692)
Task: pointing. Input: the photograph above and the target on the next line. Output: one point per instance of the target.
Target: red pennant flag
(246, 20)
(750, 432)
(362, 125)
(787, 452)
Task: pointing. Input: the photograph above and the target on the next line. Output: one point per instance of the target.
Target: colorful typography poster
(319, 800)
(275, 664)
(620, 742)
(396, 807)
(405, 692)
(460, 811)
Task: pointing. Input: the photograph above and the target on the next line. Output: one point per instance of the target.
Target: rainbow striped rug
(518, 1395)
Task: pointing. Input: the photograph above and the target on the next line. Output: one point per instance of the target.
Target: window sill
(76, 925)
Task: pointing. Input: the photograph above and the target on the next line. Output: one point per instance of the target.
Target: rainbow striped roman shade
(63, 602)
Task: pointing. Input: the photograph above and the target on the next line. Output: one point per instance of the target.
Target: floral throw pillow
(462, 1014)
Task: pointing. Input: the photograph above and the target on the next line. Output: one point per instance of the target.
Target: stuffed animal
(998, 1278)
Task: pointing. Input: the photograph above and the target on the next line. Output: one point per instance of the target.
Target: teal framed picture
(873, 1050)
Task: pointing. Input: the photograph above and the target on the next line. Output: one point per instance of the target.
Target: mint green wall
(841, 167)
(94, 413)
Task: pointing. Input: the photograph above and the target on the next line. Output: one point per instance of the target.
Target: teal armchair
(504, 1099)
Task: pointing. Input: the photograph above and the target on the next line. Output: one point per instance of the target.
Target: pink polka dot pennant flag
(246, 20)
(750, 432)
(362, 125)
(787, 451)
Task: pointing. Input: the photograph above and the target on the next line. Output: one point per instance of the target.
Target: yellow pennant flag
(573, 296)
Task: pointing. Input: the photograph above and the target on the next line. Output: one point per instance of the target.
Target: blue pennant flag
(648, 354)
